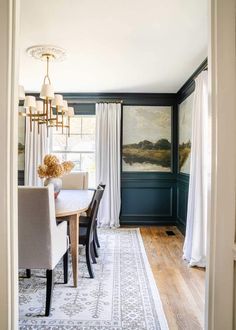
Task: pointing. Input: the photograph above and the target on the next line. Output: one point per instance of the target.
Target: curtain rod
(196, 74)
(110, 101)
(95, 101)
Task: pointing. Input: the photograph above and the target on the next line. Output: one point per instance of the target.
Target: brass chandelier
(51, 110)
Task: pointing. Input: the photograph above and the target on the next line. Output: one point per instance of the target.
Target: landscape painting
(185, 128)
(146, 139)
(21, 143)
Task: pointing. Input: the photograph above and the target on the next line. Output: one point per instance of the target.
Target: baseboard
(148, 221)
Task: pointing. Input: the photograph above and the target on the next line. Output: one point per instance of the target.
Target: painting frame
(185, 136)
(157, 160)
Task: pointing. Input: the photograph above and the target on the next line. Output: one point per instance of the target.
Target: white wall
(222, 71)
(8, 165)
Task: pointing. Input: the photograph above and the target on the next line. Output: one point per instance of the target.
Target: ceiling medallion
(42, 52)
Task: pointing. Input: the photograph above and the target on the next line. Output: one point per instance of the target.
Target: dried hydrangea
(55, 171)
(42, 170)
(68, 166)
(51, 160)
(52, 167)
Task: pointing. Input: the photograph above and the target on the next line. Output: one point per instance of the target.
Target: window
(79, 147)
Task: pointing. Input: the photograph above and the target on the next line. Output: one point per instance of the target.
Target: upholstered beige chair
(42, 243)
(75, 180)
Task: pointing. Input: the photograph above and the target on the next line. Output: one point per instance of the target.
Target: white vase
(57, 184)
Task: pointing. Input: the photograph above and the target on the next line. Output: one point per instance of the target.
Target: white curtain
(36, 147)
(195, 238)
(108, 120)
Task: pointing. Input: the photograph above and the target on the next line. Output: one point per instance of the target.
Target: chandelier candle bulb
(57, 101)
(30, 103)
(65, 106)
(47, 92)
(71, 112)
(39, 107)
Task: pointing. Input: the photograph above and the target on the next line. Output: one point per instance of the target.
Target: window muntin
(79, 147)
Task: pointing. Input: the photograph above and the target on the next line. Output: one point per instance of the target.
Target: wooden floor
(181, 287)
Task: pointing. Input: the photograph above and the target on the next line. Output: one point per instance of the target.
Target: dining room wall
(184, 105)
(152, 197)
(147, 197)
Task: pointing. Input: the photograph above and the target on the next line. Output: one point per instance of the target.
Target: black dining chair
(86, 229)
(84, 222)
(96, 241)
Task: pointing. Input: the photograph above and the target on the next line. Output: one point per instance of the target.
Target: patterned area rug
(123, 294)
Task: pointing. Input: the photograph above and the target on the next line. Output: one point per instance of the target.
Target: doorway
(221, 230)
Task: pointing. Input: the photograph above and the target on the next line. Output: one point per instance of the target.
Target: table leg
(74, 240)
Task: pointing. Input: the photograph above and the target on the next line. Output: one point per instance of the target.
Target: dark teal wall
(182, 180)
(150, 198)
(146, 198)
(182, 200)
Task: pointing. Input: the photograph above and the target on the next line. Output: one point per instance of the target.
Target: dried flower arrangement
(52, 168)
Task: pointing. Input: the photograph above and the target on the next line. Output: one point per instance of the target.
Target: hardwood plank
(181, 287)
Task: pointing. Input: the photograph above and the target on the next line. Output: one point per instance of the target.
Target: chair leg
(92, 253)
(95, 249)
(88, 260)
(65, 267)
(49, 288)
(28, 273)
(96, 237)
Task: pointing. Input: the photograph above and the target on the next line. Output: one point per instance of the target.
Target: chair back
(75, 180)
(103, 186)
(92, 218)
(98, 193)
(93, 211)
(37, 226)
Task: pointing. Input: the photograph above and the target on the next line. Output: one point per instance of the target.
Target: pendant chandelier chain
(47, 78)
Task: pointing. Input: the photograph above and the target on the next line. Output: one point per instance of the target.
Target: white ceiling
(148, 46)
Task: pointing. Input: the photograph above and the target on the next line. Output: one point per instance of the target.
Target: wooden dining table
(70, 204)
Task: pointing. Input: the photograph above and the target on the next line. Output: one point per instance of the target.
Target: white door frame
(9, 32)
(222, 193)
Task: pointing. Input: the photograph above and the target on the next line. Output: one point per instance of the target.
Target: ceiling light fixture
(42, 112)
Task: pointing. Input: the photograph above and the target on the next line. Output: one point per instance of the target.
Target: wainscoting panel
(148, 201)
(148, 198)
